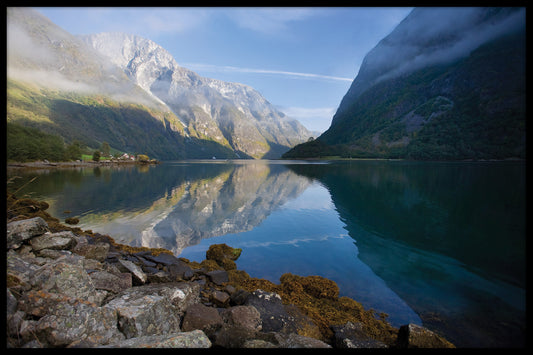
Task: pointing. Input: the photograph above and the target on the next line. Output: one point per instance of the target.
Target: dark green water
(434, 243)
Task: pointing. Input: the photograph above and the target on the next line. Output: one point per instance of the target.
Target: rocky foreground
(72, 288)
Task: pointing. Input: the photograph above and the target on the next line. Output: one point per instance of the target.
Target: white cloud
(268, 20)
(296, 75)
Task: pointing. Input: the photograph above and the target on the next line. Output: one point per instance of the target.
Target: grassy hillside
(93, 119)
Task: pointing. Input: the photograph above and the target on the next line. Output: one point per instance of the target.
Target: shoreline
(75, 164)
(309, 306)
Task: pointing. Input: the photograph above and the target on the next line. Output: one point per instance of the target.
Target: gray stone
(192, 339)
(67, 279)
(218, 277)
(97, 251)
(162, 258)
(55, 241)
(148, 310)
(11, 302)
(178, 270)
(20, 231)
(19, 272)
(67, 322)
(139, 277)
(103, 280)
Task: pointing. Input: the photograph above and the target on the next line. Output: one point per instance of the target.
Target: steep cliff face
(445, 84)
(231, 114)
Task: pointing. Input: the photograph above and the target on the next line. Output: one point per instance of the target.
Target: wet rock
(192, 339)
(67, 322)
(104, 280)
(20, 231)
(139, 277)
(294, 340)
(218, 277)
(352, 335)
(415, 336)
(199, 316)
(55, 241)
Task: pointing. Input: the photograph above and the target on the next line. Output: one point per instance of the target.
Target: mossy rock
(210, 265)
(314, 286)
(219, 252)
(72, 220)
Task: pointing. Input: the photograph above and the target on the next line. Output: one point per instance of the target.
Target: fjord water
(435, 243)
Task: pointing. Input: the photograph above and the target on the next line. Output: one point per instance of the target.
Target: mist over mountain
(446, 83)
(130, 92)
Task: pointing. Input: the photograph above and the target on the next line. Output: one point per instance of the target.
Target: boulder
(243, 316)
(146, 310)
(67, 322)
(192, 339)
(20, 231)
(416, 336)
(66, 279)
(199, 316)
(219, 252)
(274, 317)
(352, 335)
(55, 241)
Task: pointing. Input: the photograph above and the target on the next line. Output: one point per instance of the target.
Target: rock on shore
(70, 289)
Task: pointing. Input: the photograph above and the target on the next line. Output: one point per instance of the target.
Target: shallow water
(439, 244)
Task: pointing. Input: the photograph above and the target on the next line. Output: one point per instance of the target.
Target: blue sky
(302, 60)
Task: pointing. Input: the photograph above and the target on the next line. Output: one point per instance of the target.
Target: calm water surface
(433, 243)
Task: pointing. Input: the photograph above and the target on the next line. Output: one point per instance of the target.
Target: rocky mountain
(228, 113)
(446, 83)
(141, 103)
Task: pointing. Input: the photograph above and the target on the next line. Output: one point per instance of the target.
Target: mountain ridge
(466, 104)
(60, 85)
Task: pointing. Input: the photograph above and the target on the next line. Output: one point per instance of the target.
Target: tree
(104, 148)
(96, 155)
(73, 150)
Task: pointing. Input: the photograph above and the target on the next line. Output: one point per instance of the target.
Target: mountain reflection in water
(439, 244)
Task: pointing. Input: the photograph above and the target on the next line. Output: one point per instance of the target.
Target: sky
(302, 60)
